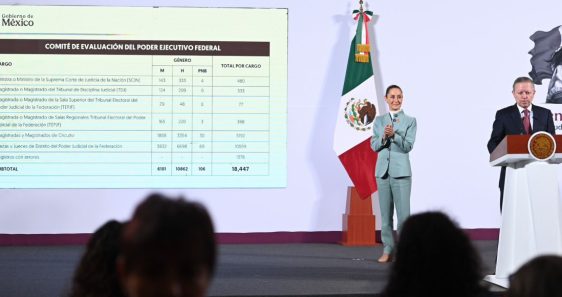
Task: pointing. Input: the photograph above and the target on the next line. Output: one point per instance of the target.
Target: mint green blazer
(393, 154)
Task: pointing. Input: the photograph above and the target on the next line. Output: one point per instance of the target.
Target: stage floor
(243, 270)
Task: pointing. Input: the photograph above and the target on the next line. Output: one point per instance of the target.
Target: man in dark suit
(521, 118)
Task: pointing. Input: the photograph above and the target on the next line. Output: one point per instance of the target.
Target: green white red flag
(352, 136)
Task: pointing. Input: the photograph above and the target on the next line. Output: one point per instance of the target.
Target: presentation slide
(143, 97)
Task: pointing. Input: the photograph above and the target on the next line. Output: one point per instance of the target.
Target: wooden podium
(531, 219)
(358, 221)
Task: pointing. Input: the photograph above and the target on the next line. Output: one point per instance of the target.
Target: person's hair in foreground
(168, 249)
(434, 258)
(540, 277)
(96, 274)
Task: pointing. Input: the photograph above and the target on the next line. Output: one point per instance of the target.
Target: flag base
(358, 221)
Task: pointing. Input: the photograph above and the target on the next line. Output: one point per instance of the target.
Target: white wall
(455, 62)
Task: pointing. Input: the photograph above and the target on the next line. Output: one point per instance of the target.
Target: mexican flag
(354, 126)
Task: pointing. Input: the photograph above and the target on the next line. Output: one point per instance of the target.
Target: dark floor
(243, 270)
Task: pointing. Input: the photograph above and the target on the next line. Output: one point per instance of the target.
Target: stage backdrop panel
(455, 60)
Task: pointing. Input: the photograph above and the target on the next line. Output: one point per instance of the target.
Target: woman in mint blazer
(394, 136)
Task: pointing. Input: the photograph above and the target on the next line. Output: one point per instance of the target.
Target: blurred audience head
(434, 258)
(540, 277)
(167, 249)
(96, 275)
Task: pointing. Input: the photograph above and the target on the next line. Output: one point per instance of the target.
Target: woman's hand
(388, 131)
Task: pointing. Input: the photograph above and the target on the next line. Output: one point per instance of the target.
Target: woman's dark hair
(434, 258)
(392, 87)
(96, 274)
(166, 234)
(540, 277)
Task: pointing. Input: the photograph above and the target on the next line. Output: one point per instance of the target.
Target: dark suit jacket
(508, 122)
